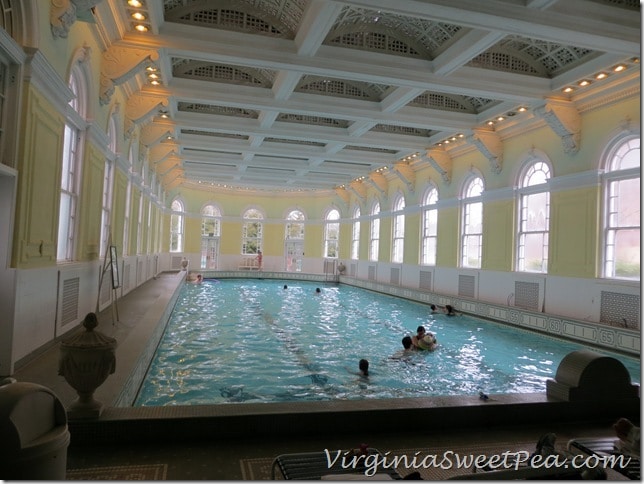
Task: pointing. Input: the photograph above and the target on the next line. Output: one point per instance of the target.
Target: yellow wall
(574, 223)
(38, 199)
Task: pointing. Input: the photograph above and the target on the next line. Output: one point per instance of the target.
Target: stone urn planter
(341, 268)
(86, 360)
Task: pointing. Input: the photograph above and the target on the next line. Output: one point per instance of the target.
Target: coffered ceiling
(319, 95)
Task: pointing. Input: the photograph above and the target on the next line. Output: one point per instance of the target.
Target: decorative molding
(343, 194)
(160, 152)
(406, 174)
(119, 64)
(359, 190)
(152, 134)
(62, 14)
(585, 179)
(40, 73)
(139, 108)
(564, 119)
(442, 162)
(379, 182)
(490, 145)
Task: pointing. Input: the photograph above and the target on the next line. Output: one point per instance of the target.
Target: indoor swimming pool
(254, 341)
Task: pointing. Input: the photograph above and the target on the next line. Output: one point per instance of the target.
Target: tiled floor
(217, 457)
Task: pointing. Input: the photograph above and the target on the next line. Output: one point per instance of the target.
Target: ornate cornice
(40, 73)
(120, 64)
(490, 145)
(63, 14)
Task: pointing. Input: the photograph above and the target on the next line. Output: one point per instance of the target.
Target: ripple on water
(252, 341)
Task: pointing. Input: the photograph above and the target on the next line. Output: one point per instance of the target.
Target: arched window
(210, 236)
(108, 187)
(374, 233)
(70, 180)
(176, 226)
(210, 217)
(398, 232)
(534, 217)
(294, 241)
(140, 222)
(472, 227)
(331, 233)
(622, 211)
(128, 203)
(252, 232)
(295, 225)
(355, 234)
(429, 232)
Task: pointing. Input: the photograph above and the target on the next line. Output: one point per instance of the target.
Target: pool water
(254, 341)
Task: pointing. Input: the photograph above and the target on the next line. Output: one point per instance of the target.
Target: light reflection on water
(252, 341)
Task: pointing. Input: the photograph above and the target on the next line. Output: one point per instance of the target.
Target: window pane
(627, 253)
(537, 211)
(628, 203)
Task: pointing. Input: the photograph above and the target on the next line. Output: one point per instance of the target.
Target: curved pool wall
(620, 340)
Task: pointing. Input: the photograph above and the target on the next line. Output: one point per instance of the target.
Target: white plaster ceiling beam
(588, 25)
(348, 64)
(318, 19)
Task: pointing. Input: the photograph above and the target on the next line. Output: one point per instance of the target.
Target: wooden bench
(248, 264)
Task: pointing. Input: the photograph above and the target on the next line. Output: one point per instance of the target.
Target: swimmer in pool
(424, 340)
(408, 348)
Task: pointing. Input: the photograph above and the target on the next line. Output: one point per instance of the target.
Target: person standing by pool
(259, 260)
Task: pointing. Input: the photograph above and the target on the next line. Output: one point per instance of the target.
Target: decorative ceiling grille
(388, 128)
(313, 120)
(219, 110)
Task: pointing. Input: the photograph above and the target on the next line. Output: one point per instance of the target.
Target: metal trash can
(33, 432)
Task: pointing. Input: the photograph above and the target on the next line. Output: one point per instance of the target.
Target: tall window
(429, 232)
(331, 233)
(108, 184)
(622, 211)
(295, 225)
(472, 228)
(534, 217)
(139, 232)
(210, 216)
(398, 233)
(70, 182)
(128, 204)
(374, 234)
(355, 234)
(252, 231)
(176, 226)
(210, 234)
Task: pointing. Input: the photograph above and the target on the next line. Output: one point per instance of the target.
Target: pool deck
(283, 424)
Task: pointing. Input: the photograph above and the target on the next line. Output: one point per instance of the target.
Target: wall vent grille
(526, 295)
(467, 286)
(394, 277)
(425, 280)
(69, 303)
(371, 274)
(126, 277)
(175, 262)
(620, 309)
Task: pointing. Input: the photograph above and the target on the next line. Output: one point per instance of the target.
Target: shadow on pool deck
(220, 433)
